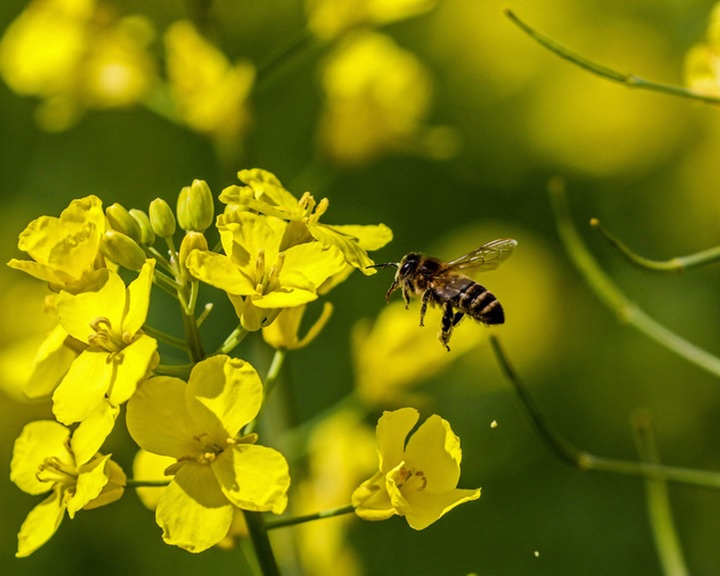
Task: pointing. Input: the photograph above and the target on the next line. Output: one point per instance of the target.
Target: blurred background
(445, 123)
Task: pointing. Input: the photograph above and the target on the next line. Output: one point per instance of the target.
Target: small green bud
(191, 241)
(162, 218)
(122, 250)
(121, 220)
(147, 236)
(195, 207)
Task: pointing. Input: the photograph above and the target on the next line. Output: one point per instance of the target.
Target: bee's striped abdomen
(479, 303)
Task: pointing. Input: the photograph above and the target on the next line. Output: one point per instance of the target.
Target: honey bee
(446, 285)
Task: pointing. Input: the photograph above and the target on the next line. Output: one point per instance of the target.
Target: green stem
(181, 371)
(233, 339)
(629, 80)
(582, 460)
(294, 47)
(666, 538)
(270, 381)
(165, 337)
(612, 297)
(261, 543)
(677, 264)
(131, 483)
(283, 522)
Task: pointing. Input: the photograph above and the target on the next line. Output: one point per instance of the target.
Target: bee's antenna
(384, 265)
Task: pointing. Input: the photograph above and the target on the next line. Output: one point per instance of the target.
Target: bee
(447, 285)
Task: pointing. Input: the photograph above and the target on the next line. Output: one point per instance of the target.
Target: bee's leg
(423, 307)
(456, 319)
(447, 324)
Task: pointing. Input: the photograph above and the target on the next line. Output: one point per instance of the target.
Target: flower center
(207, 450)
(106, 338)
(56, 472)
(410, 479)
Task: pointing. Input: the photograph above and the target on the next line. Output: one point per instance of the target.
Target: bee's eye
(405, 268)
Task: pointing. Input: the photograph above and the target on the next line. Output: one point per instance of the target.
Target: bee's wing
(488, 257)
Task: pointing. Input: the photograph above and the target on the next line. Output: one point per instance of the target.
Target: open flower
(259, 276)
(64, 250)
(216, 468)
(265, 194)
(45, 460)
(418, 475)
(118, 354)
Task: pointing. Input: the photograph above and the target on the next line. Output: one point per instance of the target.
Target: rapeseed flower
(418, 472)
(45, 460)
(216, 468)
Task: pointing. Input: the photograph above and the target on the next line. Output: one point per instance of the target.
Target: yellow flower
(74, 56)
(65, 249)
(119, 355)
(45, 460)
(259, 277)
(210, 94)
(264, 193)
(217, 469)
(418, 475)
(330, 18)
(377, 96)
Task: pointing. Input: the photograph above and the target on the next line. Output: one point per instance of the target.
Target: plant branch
(582, 460)
(626, 310)
(283, 522)
(629, 80)
(677, 264)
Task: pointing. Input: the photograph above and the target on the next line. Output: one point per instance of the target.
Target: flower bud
(121, 220)
(191, 241)
(147, 236)
(122, 250)
(162, 218)
(195, 207)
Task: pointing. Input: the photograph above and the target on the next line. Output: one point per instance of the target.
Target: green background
(644, 164)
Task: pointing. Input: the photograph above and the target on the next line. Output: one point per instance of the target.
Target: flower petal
(253, 477)
(218, 271)
(158, 420)
(371, 499)
(39, 526)
(223, 394)
(90, 482)
(192, 511)
(435, 450)
(38, 441)
(313, 260)
(51, 362)
(137, 360)
(83, 387)
(422, 508)
(138, 299)
(392, 430)
(92, 432)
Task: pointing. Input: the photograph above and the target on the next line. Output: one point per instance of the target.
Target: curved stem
(629, 80)
(283, 522)
(164, 337)
(626, 310)
(261, 543)
(131, 483)
(582, 460)
(677, 264)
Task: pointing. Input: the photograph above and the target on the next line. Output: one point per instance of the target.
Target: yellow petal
(137, 360)
(392, 430)
(149, 466)
(435, 450)
(219, 271)
(83, 387)
(39, 526)
(158, 420)
(313, 260)
(51, 362)
(192, 511)
(223, 395)
(38, 441)
(90, 482)
(253, 477)
(368, 237)
(90, 435)
(423, 507)
(138, 299)
(371, 499)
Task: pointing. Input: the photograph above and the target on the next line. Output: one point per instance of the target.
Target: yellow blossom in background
(702, 62)
(263, 192)
(64, 250)
(376, 99)
(284, 332)
(45, 460)
(394, 355)
(418, 471)
(73, 54)
(330, 18)
(341, 452)
(210, 93)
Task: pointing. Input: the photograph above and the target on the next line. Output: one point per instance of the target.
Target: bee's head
(405, 269)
